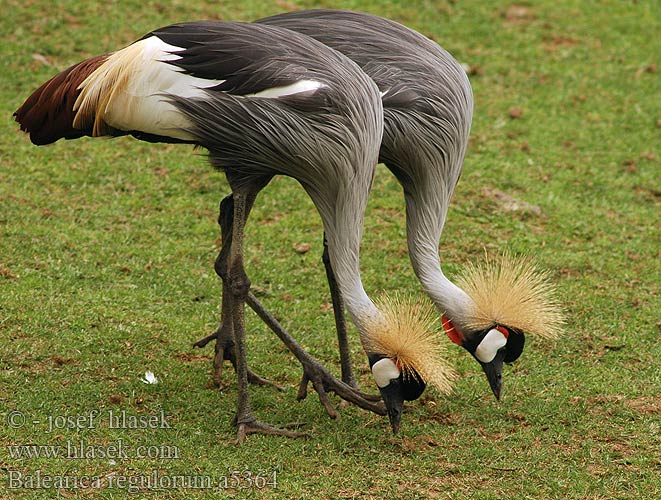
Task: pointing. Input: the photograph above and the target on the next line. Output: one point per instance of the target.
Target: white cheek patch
(384, 371)
(489, 346)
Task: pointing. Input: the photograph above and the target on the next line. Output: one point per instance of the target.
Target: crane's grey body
(327, 139)
(264, 101)
(428, 107)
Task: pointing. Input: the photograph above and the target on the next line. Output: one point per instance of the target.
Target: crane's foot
(256, 427)
(224, 350)
(324, 382)
(203, 342)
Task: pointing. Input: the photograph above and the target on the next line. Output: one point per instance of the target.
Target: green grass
(107, 246)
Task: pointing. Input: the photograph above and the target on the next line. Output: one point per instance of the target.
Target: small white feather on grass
(149, 378)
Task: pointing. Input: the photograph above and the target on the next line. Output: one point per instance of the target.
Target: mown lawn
(107, 246)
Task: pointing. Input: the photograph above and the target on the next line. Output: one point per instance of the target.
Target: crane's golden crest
(512, 293)
(409, 336)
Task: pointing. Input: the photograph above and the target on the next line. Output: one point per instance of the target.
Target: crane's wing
(427, 98)
(130, 91)
(394, 56)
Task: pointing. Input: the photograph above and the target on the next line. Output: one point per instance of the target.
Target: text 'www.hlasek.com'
(106, 447)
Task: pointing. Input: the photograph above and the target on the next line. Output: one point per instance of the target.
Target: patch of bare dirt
(60, 361)
(518, 14)
(188, 357)
(515, 113)
(509, 203)
(556, 42)
(302, 248)
(7, 273)
(650, 405)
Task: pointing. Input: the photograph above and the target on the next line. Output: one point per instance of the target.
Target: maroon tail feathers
(47, 115)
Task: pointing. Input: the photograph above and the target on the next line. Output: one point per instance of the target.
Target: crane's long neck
(344, 233)
(341, 199)
(426, 210)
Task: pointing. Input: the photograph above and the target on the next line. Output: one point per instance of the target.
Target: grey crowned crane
(263, 101)
(428, 105)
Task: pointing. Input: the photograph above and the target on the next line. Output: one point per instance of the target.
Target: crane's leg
(322, 380)
(224, 335)
(224, 348)
(340, 321)
(240, 285)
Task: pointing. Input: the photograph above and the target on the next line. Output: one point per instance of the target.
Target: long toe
(255, 379)
(257, 427)
(203, 342)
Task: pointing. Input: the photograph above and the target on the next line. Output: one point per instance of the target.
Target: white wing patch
(293, 88)
(489, 346)
(127, 91)
(384, 371)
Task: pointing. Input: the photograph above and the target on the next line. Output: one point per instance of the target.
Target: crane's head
(509, 297)
(490, 347)
(395, 386)
(405, 354)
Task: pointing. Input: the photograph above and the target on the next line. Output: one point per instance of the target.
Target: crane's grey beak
(394, 400)
(494, 372)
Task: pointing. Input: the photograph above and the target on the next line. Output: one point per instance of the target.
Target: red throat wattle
(452, 331)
